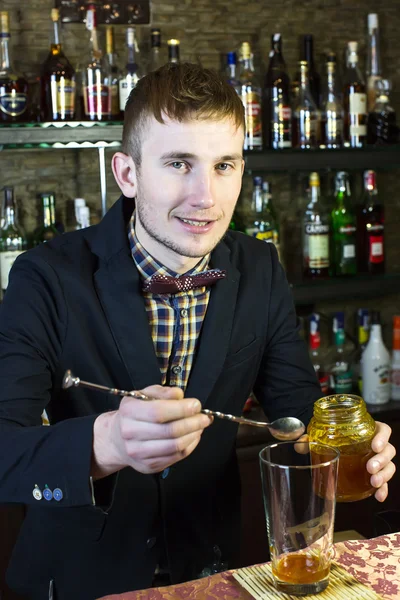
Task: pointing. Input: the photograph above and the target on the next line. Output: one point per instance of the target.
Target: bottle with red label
(370, 229)
(250, 93)
(395, 372)
(96, 76)
(314, 345)
(277, 111)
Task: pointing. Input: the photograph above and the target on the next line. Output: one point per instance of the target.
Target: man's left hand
(381, 465)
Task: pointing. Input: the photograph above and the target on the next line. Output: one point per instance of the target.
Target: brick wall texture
(206, 28)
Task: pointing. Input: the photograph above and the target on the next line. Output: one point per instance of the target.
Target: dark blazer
(76, 303)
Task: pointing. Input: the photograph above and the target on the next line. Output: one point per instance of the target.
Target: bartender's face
(186, 188)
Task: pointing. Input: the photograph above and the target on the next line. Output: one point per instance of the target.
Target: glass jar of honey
(342, 421)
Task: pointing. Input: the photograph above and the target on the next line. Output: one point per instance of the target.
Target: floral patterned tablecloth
(375, 563)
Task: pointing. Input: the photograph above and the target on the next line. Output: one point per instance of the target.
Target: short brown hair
(181, 91)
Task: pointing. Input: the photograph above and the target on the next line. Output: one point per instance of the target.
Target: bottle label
(281, 125)
(13, 105)
(333, 127)
(97, 100)
(358, 110)
(252, 105)
(63, 97)
(324, 383)
(376, 249)
(7, 260)
(349, 251)
(343, 382)
(395, 378)
(377, 385)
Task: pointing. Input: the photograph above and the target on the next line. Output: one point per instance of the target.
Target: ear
(124, 171)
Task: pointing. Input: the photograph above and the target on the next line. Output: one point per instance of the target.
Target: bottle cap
(353, 46)
(314, 179)
(231, 58)
(245, 50)
(155, 37)
(130, 36)
(267, 187)
(8, 196)
(338, 320)
(173, 42)
(4, 23)
(375, 317)
(370, 180)
(373, 22)
(363, 317)
(277, 37)
(55, 14)
(257, 181)
(331, 57)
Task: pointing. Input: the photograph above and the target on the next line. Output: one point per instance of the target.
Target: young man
(115, 490)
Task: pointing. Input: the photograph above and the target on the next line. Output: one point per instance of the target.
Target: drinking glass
(299, 489)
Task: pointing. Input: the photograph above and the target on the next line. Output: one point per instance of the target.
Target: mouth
(196, 225)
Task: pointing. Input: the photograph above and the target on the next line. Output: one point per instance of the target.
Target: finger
(155, 449)
(381, 437)
(383, 476)
(144, 430)
(156, 465)
(162, 391)
(302, 448)
(382, 493)
(159, 411)
(377, 462)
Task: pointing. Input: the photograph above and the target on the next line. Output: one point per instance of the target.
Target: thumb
(163, 392)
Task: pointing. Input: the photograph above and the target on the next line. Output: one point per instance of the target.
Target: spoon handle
(241, 420)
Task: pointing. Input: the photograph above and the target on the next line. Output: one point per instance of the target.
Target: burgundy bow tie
(164, 284)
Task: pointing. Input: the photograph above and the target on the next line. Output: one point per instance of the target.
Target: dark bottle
(132, 71)
(174, 51)
(57, 81)
(307, 54)
(316, 230)
(13, 86)
(315, 354)
(250, 93)
(381, 126)
(354, 101)
(48, 230)
(343, 218)
(113, 74)
(276, 100)
(332, 108)
(306, 118)
(155, 61)
(370, 229)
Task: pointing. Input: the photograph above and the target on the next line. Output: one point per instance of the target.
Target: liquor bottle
(84, 214)
(340, 368)
(132, 72)
(306, 123)
(174, 51)
(374, 72)
(250, 92)
(57, 82)
(363, 326)
(12, 241)
(344, 261)
(231, 71)
(96, 90)
(113, 71)
(48, 230)
(261, 221)
(316, 359)
(354, 100)
(381, 125)
(332, 108)
(155, 61)
(13, 86)
(316, 231)
(395, 371)
(370, 229)
(276, 100)
(375, 365)
(307, 55)
(79, 203)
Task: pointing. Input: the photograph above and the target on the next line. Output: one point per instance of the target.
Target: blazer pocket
(243, 354)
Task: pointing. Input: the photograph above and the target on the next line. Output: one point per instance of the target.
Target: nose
(201, 195)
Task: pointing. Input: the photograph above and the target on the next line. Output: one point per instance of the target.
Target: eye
(178, 164)
(224, 167)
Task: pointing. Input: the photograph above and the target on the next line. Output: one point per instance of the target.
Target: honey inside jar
(342, 421)
(300, 568)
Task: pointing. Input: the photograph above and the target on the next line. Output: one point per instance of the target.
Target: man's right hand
(147, 435)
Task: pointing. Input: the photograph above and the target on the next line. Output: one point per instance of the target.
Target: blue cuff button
(57, 494)
(47, 494)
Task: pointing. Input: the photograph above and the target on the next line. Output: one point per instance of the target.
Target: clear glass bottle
(316, 233)
(315, 354)
(354, 100)
(342, 421)
(276, 100)
(48, 230)
(340, 366)
(344, 228)
(231, 71)
(12, 241)
(155, 61)
(174, 51)
(375, 365)
(250, 92)
(374, 72)
(132, 72)
(382, 127)
(13, 86)
(57, 81)
(306, 118)
(332, 108)
(96, 76)
(113, 72)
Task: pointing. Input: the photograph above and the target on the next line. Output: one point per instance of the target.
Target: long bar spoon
(286, 428)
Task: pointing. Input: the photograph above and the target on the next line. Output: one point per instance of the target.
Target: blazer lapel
(216, 331)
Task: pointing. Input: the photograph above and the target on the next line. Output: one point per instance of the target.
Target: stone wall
(206, 28)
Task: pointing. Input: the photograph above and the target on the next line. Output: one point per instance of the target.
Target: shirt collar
(147, 265)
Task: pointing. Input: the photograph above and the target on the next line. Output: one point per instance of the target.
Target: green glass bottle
(48, 230)
(261, 221)
(12, 241)
(343, 228)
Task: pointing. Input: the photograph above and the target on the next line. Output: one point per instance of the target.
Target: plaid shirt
(175, 319)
